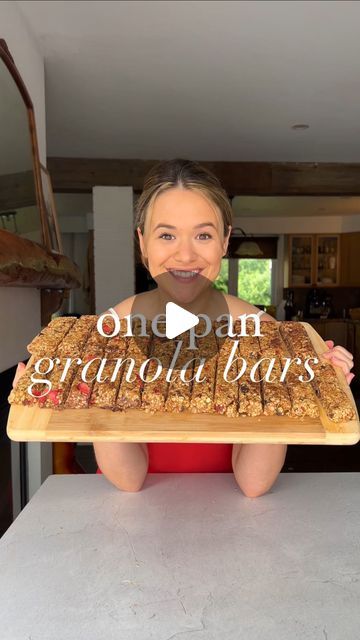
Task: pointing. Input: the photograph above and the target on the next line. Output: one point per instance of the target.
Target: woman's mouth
(185, 276)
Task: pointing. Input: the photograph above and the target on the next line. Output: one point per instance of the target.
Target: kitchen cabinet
(313, 259)
(350, 259)
(340, 331)
(343, 332)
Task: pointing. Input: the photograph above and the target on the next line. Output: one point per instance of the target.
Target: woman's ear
(226, 241)
(141, 242)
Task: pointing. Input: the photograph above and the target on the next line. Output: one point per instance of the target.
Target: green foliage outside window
(222, 281)
(254, 280)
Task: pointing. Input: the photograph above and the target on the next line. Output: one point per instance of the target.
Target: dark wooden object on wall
(24, 263)
(80, 175)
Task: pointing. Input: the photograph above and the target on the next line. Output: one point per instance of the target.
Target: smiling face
(183, 243)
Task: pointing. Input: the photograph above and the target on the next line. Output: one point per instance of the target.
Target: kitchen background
(274, 110)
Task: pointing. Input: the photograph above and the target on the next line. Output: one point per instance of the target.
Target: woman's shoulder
(127, 306)
(237, 307)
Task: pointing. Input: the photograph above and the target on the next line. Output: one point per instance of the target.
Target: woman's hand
(341, 357)
(20, 369)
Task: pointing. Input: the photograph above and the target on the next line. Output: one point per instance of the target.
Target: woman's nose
(185, 251)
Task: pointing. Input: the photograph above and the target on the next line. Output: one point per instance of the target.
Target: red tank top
(189, 457)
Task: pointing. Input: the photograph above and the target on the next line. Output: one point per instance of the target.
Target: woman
(183, 223)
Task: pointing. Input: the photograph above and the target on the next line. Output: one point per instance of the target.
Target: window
(254, 280)
(248, 278)
(222, 281)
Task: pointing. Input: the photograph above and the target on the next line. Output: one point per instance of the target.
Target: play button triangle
(178, 320)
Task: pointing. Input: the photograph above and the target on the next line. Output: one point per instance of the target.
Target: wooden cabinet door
(320, 327)
(338, 332)
(301, 260)
(350, 259)
(327, 260)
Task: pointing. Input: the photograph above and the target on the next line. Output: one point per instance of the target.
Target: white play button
(178, 320)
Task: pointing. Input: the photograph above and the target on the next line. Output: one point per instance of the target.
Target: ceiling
(207, 80)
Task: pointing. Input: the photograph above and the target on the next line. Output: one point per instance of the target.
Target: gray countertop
(188, 557)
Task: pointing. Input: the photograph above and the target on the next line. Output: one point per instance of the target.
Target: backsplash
(341, 298)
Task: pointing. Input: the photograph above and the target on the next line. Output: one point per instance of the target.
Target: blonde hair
(187, 174)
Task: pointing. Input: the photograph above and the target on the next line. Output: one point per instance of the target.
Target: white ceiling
(207, 80)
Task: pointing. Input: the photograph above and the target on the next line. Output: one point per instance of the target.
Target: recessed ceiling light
(300, 127)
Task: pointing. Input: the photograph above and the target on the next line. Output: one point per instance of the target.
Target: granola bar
(72, 344)
(80, 390)
(56, 397)
(105, 390)
(250, 399)
(49, 338)
(155, 389)
(202, 396)
(226, 390)
(276, 396)
(20, 393)
(334, 400)
(179, 391)
(94, 348)
(131, 386)
(116, 345)
(302, 396)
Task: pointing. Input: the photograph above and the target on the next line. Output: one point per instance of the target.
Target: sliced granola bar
(104, 392)
(80, 390)
(56, 397)
(333, 398)
(276, 396)
(226, 391)
(72, 344)
(155, 390)
(250, 400)
(130, 391)
(20, 393)
(49, 338)
(202, 396)
(302, 396)
(179, 391)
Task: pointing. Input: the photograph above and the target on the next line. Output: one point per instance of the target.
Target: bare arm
(256, 466)
(125, 464)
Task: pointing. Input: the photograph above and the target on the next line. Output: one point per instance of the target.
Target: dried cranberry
(54, 396)
(83, 388)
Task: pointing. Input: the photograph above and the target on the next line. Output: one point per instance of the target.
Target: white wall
(299, 224)
(113, 246)
(20, 307)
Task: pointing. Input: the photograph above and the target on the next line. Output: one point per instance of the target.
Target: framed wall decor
(50, 212)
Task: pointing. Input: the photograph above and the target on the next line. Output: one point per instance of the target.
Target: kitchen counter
(330, 320)
(189, 556)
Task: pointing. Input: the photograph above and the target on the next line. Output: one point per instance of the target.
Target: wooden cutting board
(94, 424)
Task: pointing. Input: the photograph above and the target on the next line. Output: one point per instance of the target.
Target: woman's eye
(168, 235)
(205, 234)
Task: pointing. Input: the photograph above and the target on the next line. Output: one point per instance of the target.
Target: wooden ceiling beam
(80, 175)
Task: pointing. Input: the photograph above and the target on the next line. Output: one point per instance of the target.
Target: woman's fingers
(344, 365)
(20, 369)
(344, 351)
(329, 355)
